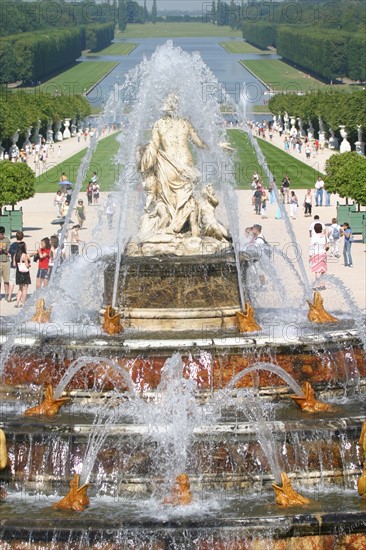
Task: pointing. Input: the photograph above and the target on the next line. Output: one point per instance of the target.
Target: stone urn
(322, 134)
(310, 131)
(49, 133)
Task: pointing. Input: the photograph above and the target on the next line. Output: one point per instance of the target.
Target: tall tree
(346, 175)
(154, 12)
(17, 182)
(122, 15)
(146, 13)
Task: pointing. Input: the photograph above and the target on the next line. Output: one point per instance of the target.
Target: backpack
(336, 234)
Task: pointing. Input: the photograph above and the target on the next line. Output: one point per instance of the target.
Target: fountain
(177, 373)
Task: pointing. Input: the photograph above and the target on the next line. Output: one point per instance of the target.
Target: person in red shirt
(43, 255)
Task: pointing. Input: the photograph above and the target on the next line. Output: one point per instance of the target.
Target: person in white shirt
(318, 255)
(311, 227)
(319, 187)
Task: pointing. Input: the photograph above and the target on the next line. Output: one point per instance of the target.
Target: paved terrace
(39, 212)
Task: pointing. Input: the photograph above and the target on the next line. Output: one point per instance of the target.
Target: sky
(182, 5)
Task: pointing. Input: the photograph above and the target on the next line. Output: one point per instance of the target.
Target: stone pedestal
(345, 146)
(58, 133)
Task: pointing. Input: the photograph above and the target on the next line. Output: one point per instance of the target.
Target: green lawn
(279, 163)
(102, 162)
(171, 30)
(241, 47)
(80, 78)
(277, 75)
(246, 163)
(120, 48)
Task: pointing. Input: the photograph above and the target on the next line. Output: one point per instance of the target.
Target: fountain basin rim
(224, 342)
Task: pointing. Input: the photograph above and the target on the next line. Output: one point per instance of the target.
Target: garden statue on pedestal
(333, 141)
(174, 221)
(360, 145)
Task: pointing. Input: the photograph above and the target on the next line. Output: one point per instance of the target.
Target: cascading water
(166, 417)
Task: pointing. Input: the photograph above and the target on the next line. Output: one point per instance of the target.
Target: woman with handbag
(22, 276)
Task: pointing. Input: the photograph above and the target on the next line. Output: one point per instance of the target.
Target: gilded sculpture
(42, 314)
(362, 439)
(49, 405)
(175, 221)
(3, 459)
(317, 313)
(181, 493)
(112, 321)
(76, 499)
(246, 320)
(308, 402)
(286, 494)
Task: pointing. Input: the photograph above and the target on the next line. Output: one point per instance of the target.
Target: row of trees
(17, 16)
(132, 12)
(346, 15)
(29, 57)
(329, 53)
(20, 110)
(333, 106)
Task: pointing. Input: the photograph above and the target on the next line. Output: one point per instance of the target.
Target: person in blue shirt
(347, 233)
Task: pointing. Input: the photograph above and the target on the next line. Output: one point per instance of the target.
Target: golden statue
(76, 499)
(168, 164)
(286, 495)
(42, 315)
(308, 403)
(362, 439)
(181, 493)
(246, 321)
(49, 405)
(317, 313)
(361, 483)
(112, 321)
(3, 459)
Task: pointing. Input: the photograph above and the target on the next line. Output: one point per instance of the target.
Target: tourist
(57, 202)
(54, 242)
(59, 152)
(12, 251)
(264, 204)
(75, 240)
(110, 208)
(43, 257)
(318, 255)
(63, 177)
(258, 199)
(80, 212)
(4, 261)
(68, 195)
(307, 151)
(334, 233)
(286, 189)
(89, 193)
(64, 209)
(22, 276)
(294, 203)
(311, 227)
(96, 190)
(348, 238)
(308, 203)
(319, 188)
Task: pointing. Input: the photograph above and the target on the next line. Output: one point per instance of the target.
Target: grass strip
(279, 76)
(79, 78)
(172, 30)
(102, 162)
(279, 162)
(119, 48)
(241, 47)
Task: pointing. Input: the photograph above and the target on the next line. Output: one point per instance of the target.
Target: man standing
(286, 189)
(13, 268)
(4, 260)
(319, 187)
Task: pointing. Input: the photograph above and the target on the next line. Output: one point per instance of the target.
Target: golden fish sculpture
(49, 405)
(246, 320)
(286, 494)
(308, 402)
(76, 499)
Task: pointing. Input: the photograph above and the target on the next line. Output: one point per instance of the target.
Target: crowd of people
(324, 244)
